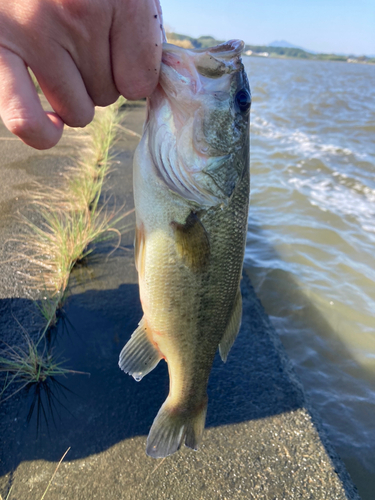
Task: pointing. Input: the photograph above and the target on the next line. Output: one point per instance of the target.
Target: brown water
(311, 237)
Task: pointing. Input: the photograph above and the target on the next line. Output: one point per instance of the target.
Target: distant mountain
(284, 43)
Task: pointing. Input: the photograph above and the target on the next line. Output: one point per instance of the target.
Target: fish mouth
(227, 50)
(198, 67)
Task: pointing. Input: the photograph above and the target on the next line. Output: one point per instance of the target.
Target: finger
(20, 107)
(92, 54)
(136, 41)
(96, 70)
(63, 86)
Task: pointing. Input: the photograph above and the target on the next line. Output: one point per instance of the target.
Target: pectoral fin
(192, 242)
(139, 356)
(233, 328)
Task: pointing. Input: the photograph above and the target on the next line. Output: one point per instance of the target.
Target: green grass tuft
(27, 365)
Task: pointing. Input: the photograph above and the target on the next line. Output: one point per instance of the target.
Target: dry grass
(50, 481)
(71, 218)
(35, 82)
(53, 475)
(64, 238)
(185, 44)
(103, 131)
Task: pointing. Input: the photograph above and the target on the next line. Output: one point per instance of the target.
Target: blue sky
(339, 26)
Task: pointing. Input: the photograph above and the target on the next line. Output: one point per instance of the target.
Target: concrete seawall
(261, 441)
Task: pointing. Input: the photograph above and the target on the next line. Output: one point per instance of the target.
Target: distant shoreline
(273, 56)
(267, 51)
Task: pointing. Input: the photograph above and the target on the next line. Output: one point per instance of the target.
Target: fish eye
(243, 100)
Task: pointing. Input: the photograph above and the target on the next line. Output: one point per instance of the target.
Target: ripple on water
(310, 248)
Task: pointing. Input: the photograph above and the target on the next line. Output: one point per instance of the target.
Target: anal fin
(232, 329)
(139, 356)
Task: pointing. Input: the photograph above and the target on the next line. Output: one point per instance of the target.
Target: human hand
(82, 52)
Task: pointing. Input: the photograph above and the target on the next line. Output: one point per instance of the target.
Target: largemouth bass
(191, 190)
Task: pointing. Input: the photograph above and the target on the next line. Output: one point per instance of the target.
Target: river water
(311, 239)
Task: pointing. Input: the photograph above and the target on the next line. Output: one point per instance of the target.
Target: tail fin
(171, 427)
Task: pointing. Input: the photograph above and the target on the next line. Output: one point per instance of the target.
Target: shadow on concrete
(109, 406)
